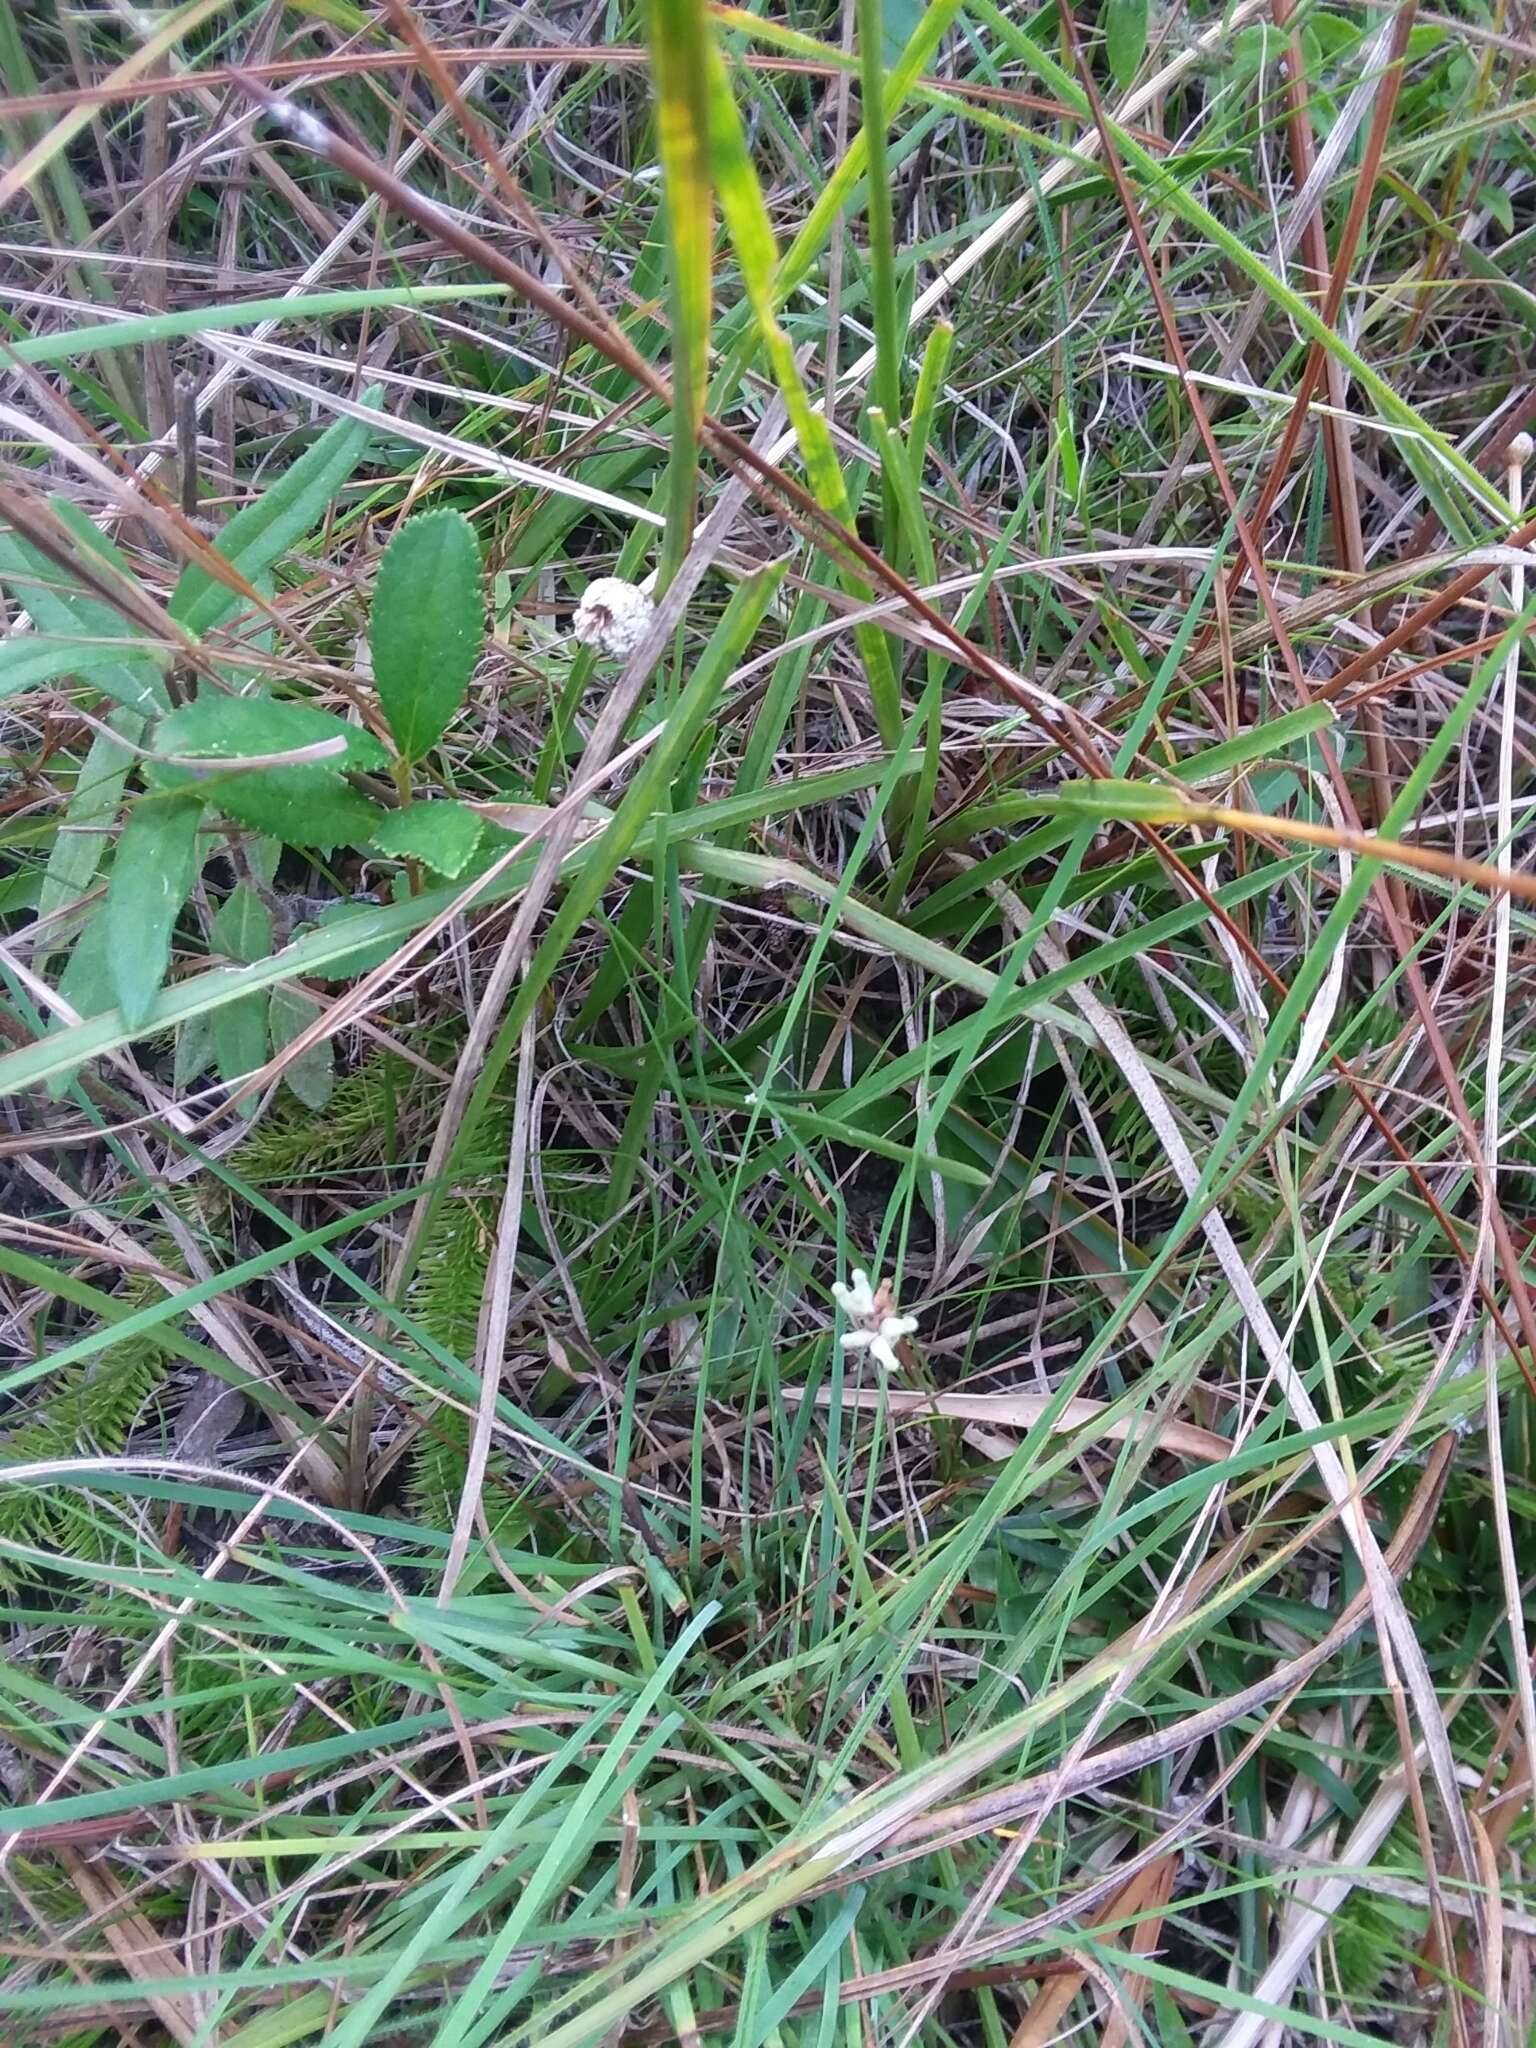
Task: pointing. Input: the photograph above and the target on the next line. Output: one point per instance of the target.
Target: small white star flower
(877, 1326)
(613, 616)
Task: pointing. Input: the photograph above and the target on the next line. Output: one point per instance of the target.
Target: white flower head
(613, 616)
(878, 1327)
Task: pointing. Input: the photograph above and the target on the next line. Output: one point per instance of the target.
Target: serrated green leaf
(260, 535)
(306, 804)
(426, 627)
(152, 876)
(442, 834)
(301, 806)
(1125, 38)
(217, 728)
(312, 1075)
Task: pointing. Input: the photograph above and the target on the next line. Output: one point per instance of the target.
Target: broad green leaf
(312, 1075)
(443, 834)
(1125, 38)
(218, 728)
(194, 1052)
(251, 636)
(152, 875)
(899, 19)
(426, 627)
(242, 929)
(260, 535)
(242, 925)
(1499, 204)
(239, 1034)
(679, 35)
(86, 983)
(303, 804)
(263, 856)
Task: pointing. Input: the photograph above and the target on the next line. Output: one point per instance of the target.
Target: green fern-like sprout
(88, 1410)
(1373, 1936)
(450, 1278)
(291, 1142)
(445, 1303)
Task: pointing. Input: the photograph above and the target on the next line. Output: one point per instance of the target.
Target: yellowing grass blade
(751, 233)
(680, 48)
(1144, 804)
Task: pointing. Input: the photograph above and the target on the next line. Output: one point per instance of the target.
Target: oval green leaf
(427, 625)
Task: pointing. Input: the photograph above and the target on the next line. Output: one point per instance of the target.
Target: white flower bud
(613, 617)
(878, 1326)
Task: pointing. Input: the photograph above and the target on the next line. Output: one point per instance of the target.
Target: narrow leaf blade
(152, 876)
(260, 535)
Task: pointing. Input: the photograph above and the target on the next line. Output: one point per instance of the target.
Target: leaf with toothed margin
(308, 804)
(442, 834)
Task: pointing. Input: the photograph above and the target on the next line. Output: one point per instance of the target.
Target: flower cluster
(613, 616)
(878, 1327)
